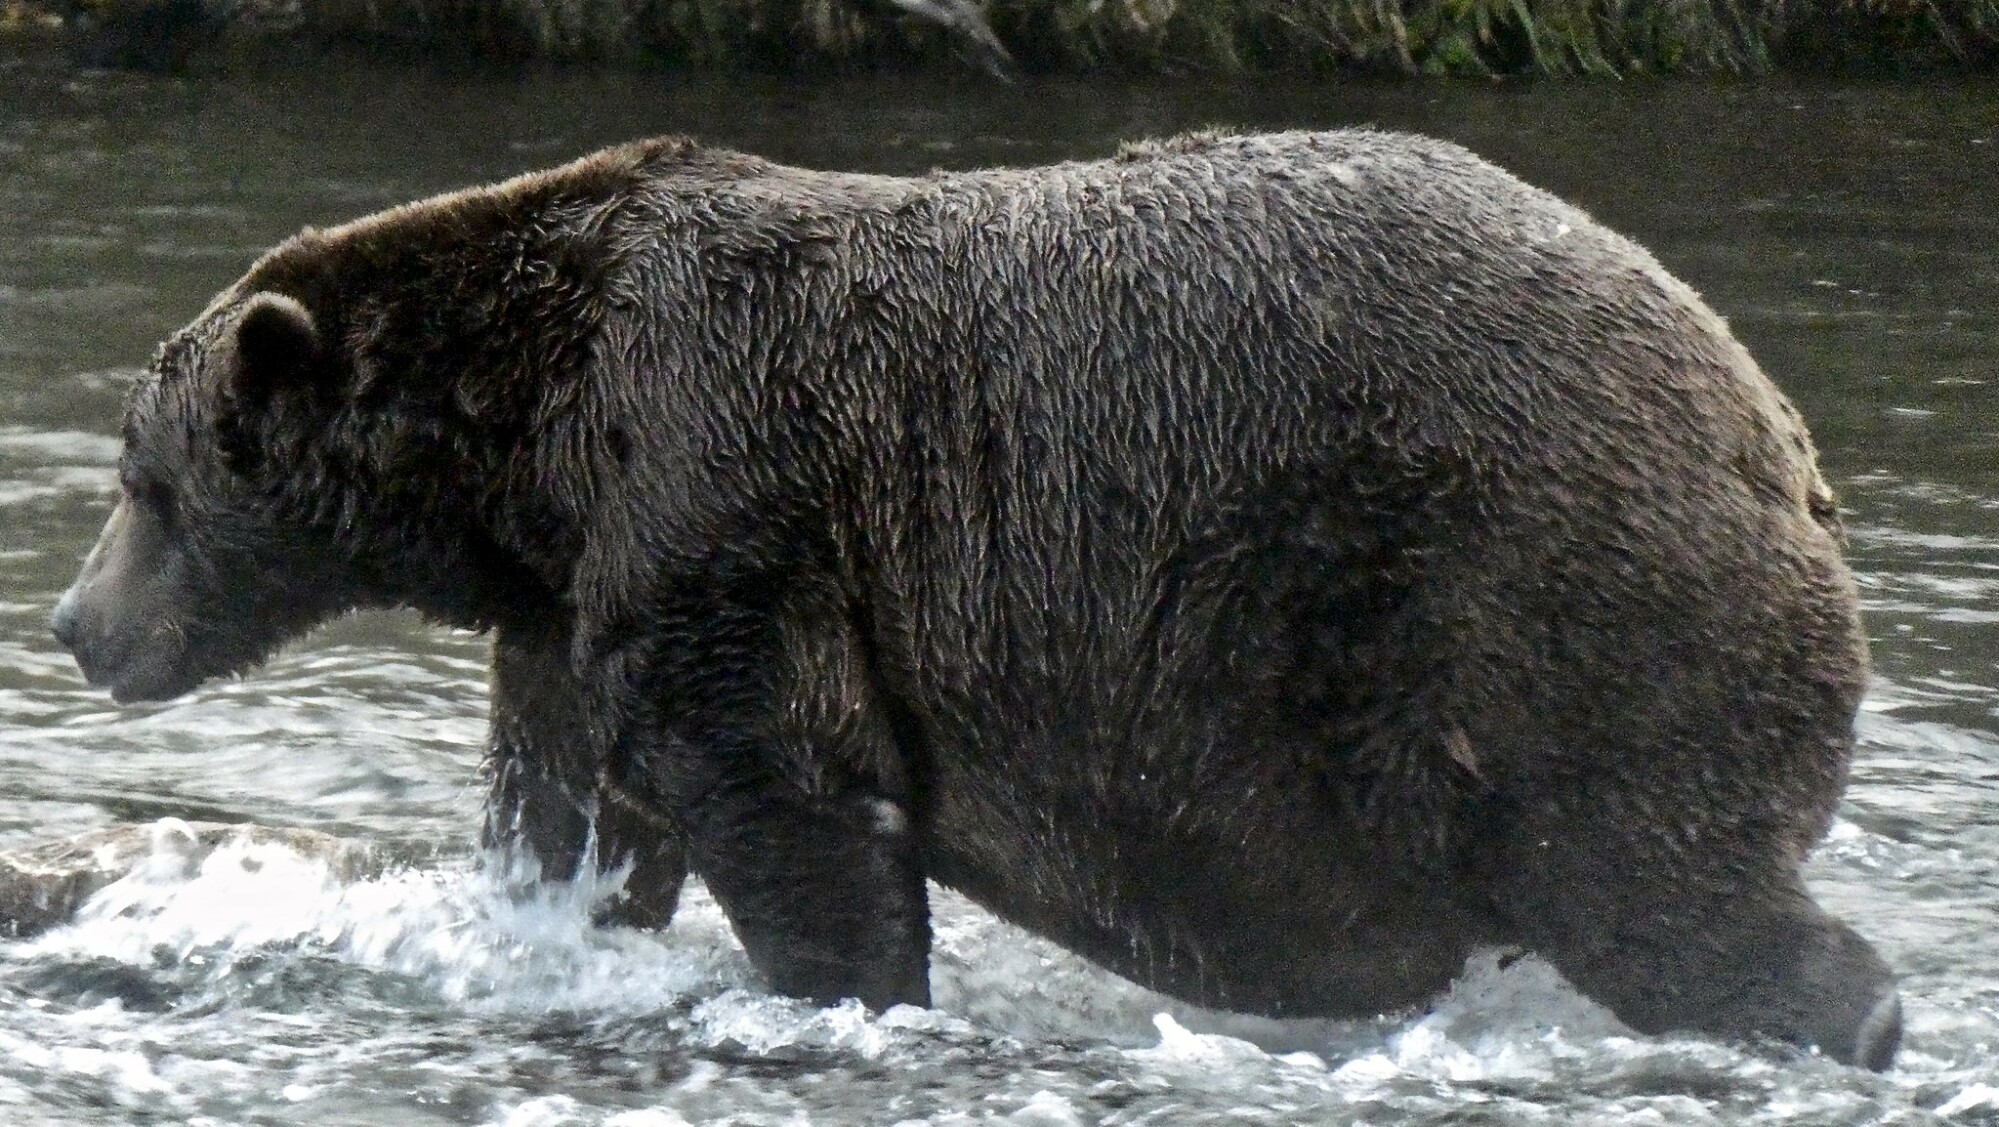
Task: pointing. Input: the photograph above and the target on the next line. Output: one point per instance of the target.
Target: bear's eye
(153, 493)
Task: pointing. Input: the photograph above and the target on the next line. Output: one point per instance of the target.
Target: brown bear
(1272, 566)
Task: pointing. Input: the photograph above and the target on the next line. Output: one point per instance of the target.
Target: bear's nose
(65, 619)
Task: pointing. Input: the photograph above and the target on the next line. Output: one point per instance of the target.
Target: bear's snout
(116, 618)
(64, 622)
(105, 661)
(81, 633)
(127, 664)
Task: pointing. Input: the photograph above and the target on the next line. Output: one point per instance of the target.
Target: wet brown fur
(1271, 566)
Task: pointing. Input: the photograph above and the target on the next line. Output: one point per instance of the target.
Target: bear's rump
(1309, 774)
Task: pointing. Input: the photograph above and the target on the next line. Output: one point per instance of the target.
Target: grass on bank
(1456, 37)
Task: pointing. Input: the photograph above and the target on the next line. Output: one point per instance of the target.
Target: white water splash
(497, 941)
(487, 942)
(492, 939)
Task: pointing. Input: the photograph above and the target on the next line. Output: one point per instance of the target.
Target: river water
(1850, 234)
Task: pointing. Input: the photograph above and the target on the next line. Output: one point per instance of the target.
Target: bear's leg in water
(1739, 955)
(551, 794)
(761, 736)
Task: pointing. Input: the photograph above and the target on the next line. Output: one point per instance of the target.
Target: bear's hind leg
(1767, 963)
(551, 795)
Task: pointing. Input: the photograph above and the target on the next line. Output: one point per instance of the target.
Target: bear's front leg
(825, 890)
(765, 737)
(551, 794)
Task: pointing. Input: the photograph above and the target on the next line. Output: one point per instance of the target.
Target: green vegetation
(1460, 37)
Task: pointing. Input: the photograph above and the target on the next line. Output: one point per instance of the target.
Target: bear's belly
(1265, 909)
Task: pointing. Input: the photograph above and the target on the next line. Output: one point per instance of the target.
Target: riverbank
(1450, 37)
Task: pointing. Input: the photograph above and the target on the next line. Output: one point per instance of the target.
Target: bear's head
(393, 412)
(205, 567)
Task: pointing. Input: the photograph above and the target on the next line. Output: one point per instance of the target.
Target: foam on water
(490, 938)
(485, 944)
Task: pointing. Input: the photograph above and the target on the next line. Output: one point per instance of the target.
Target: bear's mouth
(130, 674)
(152, 686)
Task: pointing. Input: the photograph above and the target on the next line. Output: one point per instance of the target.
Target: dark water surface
(1851, 236)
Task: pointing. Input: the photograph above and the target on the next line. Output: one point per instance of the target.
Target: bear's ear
(276, 346)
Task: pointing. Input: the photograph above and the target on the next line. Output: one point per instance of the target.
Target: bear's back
(1314, 289)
